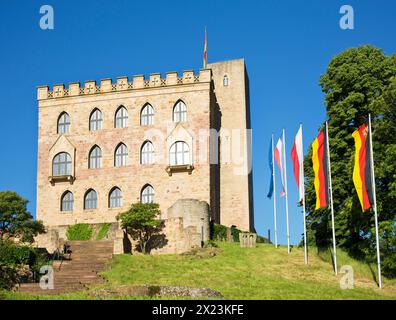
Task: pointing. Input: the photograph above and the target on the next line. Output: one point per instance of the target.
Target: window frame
(184, 153)
(226, 81)
(179, 113)
(90, 203)
(67, 204)
(149, 196)
(121, 121)
(147, 156)
(63, 166)
(95, 160)
(115, 201)
(147, 115)
(96, 123)
(124, 156)
(63, 123)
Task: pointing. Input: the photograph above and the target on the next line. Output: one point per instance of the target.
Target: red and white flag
(297, 157)
(278, 155)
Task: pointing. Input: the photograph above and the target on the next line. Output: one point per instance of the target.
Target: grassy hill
(255, 273)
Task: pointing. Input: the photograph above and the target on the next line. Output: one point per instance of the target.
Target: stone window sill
(179, 168)
(65, 178)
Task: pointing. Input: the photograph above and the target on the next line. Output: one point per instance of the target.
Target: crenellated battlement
(122, 84)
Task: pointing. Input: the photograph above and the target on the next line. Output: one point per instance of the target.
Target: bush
(14, 258)
(12, 254)
(8, 276)
(235, 234)
(103, 231)
(79, 231)
(219, 232)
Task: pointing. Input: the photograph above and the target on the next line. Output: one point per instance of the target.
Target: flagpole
(303, 199)
(274, 193)
(205, 60)
(331, 199)
(375, 205)
(286, 193)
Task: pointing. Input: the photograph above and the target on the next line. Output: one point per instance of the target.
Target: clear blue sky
(287, 46)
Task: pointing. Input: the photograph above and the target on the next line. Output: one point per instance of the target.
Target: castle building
(103, 146)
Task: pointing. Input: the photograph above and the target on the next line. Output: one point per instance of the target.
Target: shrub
(12, 254)
(79, 231)
(219, 232)
(8, 276)
(14, 258)
(235, 234)
(103, 231)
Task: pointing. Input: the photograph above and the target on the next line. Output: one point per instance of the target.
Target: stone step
(89, 257)
(75, 278)
(76, 269)
(91, 246)
(29, 287)
(86, 260)
(95, 266)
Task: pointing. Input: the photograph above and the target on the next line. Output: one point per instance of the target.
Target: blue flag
(271, 187)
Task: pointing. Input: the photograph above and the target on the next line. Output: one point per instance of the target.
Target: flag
(321, 171)
(278, 155)
(362, 171)
(271, 187)
(297, 157)
(205, 57)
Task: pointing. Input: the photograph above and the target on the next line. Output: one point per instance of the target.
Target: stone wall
(134, 176)
(183, 227)
(182, 231)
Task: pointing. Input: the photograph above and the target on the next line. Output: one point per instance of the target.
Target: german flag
(362, 170)
(321, 170)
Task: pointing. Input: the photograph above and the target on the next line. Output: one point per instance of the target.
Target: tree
(142, 223)
(357, 82)
(15, 220)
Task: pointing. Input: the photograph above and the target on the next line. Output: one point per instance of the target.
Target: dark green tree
(142, 222)
(15, 219)
(357, 82)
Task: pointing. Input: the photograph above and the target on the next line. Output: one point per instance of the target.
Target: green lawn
(255, 273)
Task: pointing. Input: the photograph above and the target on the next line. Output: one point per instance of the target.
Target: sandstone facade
(211, 102)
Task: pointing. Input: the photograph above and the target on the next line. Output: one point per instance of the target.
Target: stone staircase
(87, 259)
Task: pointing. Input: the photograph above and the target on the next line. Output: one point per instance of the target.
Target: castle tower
(231, 90)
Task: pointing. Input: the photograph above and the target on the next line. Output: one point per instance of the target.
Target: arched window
(95, 120)
(147, 115)
(121, 155)
(90, 199)
(115, 198)
(225, 81)
(147, 194)
(63, 123)
(67, 201)
(121, 117)
(179, 153)
(62, 164)
(95, 158)
(147, 153)
(179, 112)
